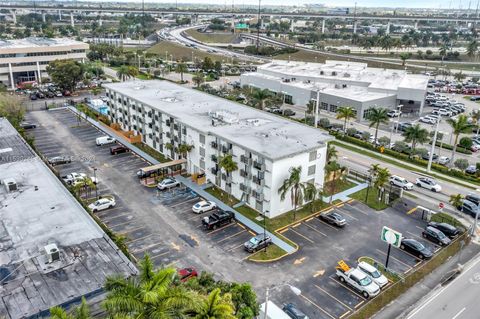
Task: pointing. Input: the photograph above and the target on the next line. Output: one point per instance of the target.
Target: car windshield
(365, 281)
(441, 235)
(375, 274)
(254, 240)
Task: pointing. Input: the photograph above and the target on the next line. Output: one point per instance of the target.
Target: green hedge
(450, 147)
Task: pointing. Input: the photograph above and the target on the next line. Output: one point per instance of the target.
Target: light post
(432, 150)
(317, 105)
(294, 289)
(265, 226)
(96, 182)
(441, 142)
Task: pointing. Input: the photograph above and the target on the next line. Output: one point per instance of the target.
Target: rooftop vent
(334, 73)
(53, 253)
(224, 116)
(169, 99)
(10, 184)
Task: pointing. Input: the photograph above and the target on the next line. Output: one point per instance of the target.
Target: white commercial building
(25, 60)
(341, 83)
(263, 145)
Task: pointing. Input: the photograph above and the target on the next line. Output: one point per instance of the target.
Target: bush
(461, 164)
(384, 141)
(450, 147)
(466, 142)
(351, 131)
(324, 123)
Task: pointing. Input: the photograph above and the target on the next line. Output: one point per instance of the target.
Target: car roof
(433, 229)
(367, 266)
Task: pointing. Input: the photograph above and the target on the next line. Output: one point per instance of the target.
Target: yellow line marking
(398, 260)
(359, 304)
(296, 225)
(162, 254)
(296, 232)
(411, 210)
(221, 228)
(350, 201)
(310, 219)
(314, 229)
(251, 232)
(231, 236)
(340, 205)
(346, 313)
(282, 231)
(137, 239)
(336, 299)
(241, 226)
(323, 310)
(328, 211)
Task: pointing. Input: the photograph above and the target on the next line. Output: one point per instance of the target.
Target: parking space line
(160, 255)
(314, 229)
(131, 230)
(296, 225)
(221, 228)
(394, 258)
(323, 310)
(231, 236)
(235, 247)
(137, 239)
(356, 209)
(346, 287)
(143, 248)
(309, 219)
(241, 226)
(251, 232)
(335, 298)
(415, 235)
(296, 232)
(346, 313)
(184, 202)
(122, 224)
(411, 210)
(327, 224)
(345, 213)
(359, 304)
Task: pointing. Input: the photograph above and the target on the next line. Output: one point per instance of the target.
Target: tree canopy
(66, 73)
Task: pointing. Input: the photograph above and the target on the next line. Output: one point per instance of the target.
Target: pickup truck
(217, 219)
(357, 279)
(72, 177)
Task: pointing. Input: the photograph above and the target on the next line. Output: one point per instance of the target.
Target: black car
(33, 97)
(218, 219)
(40, 95)
(445, 228)
(118, 149)
(435, 235)
(27, 126)
(469, 208)
(403, 126)
(333, 218)
(426, 156)
(416, 248)
(293, 312)
(258, 242)
(288, 112)
(58, 160)
(474, 198)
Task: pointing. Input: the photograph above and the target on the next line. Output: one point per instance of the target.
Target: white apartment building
(26, 60)
(341, 83)
(263, 145)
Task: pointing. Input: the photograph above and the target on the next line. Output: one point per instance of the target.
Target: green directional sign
(391, 236)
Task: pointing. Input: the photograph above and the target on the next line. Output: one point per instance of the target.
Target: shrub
(324, 122)
(366, 136)
(466, 142)
(384, 141)
(351, 131)
(461, 164)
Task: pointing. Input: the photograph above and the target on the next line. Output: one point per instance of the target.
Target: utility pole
(432, 150)
(258, 24)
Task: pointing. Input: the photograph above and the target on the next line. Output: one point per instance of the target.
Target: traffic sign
(441, 205)
(391, 236)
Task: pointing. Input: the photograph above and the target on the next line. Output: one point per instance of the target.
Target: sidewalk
(343, 196)
(196, 188)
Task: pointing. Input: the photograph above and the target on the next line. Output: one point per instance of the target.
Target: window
(333, 108)
(202, 152)
(202, 164)
(311, 169)
(312, 156)
(202, 138)
(324, 106)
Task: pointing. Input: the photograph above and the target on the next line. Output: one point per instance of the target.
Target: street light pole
(96, 182)
(317, 105)
(432, 149)
(265, 227)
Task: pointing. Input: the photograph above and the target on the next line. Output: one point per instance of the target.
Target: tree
(332, 153)
(472, 48)
(459, 76)
(261, 96)
(216, 307)
(377, 116)
(207, 64)
(461, 164)
(466, 142)
(459, 126)
(346, 113)
(132, 71)
(415, 134)
(381, 178)
(81, 312)
(293, 185)
(227, 164)
(404, 57)
(12, 109)
(198, 79)
(184, 150)
(181, 68)
(311, 193)
(123, 73)
(217, 66)
(333, 168)
(456, 200)
(384, 141)
(151, 294)
(66, 73)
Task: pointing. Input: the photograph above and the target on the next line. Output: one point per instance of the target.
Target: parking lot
(323, 295)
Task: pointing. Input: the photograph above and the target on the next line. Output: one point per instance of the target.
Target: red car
(187, 273)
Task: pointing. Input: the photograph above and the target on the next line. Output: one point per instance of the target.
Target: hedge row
(450, 147)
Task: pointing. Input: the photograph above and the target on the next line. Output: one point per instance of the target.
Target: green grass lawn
(153, 153)
(226, 37)
(372, 200)
(338, 186)
(273, 252)
(222, 195)
(390, 276)
(446, 218)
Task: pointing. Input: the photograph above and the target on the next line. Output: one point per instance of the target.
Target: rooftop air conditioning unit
(10, 185)
(53, 253)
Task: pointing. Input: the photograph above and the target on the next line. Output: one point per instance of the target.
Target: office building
(26, 60)
(263, 145)
(341, 83)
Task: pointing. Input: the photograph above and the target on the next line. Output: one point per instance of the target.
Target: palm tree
(181, 68)
(311, 193)
(459, 76)
(404, 57)
(216, 307)
(198, 79)
(293, 185)
(152, 294)
(332, 153)
(123, 73)
(456, 200)
(81, 312)
(335, 168)
(382, 177)
(261, 96)
(133, 71)
(475, 115)
(459, 126)
(472, 48)
(377, 116)
(228, 165)
(184, 150)
(346, 113)
(415, 134)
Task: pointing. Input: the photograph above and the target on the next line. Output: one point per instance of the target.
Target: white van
(104, 140)
(273, 312)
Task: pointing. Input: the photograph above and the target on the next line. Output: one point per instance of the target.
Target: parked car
(403, 126)
(288, 112)
(203, 206)
(475, 98)
(428, 183)
(436, 235)
(168, 183)
(394, 113)
(373, 273)
(427, 119)
(33, 97)
(400, 182)
(333, 218)
(415, 248)
(114, 150)
(469, 208)
(104, 140)
(293, 312)
(471, 169)
(447, 229)
(59, 160)
(218, 219)
(27, 125)
(258, 242)
(187, 273)
(442, 112)
(474, 198)
(443, 160)
(426, 156)
(70, 178)
(102, 204)
(359, 280)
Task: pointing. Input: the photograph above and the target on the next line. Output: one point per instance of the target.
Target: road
(458, 300)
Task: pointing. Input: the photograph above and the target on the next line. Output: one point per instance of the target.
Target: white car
(394, 113)
(427, 119)
(203, 206)
(442, 112)
(101, 204)
(400, 182)
(443, 160)
(81, 179)
(104, 140)
(373, 273)
(168, 183)
(428, 183)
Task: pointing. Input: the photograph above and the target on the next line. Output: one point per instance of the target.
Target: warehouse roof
(37, 212)
(36, 42)
(271, 136)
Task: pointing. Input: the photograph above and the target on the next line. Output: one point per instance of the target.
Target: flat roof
(41, 212)
(271, 136)
(388, 79)
(37, 42)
